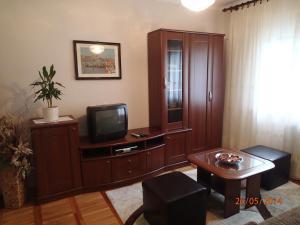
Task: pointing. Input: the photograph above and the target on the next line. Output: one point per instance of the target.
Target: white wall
(34, 33)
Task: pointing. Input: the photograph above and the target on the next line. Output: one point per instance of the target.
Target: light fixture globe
(197, 5)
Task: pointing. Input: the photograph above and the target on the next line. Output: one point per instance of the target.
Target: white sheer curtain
(263, 78)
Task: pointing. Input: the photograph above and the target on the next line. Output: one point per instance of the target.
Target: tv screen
(107, 122)
(110, 121)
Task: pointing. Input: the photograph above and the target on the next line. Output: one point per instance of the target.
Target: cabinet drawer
(175, 148)
(128, 166)
(156, 158)
(96, 172)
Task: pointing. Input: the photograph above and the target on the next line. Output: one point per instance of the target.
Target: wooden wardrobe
(186, 88)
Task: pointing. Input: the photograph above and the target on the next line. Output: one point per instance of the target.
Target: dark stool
(282, 160)
(174, 199)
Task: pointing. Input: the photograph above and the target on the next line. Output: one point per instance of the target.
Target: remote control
(143, 135)
(135, 135)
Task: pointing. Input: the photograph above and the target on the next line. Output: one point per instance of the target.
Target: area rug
(127, 199)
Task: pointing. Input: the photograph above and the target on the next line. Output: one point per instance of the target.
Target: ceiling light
(197, 5)
(96, 49)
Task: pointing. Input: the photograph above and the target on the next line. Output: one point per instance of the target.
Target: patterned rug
(127, 199)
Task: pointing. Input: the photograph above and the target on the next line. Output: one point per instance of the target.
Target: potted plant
(47, 92)
(14, 161)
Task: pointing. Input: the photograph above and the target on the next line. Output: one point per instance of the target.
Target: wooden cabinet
(126, 167)
(96, 172)
(175, 147)
(216, 87)
(156, 158)
(207, 84)
(186, 87)
(168, 80)
(57, 162)
(104, 166)
(199, 48)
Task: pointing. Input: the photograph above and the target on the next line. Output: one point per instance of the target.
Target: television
(106, 122)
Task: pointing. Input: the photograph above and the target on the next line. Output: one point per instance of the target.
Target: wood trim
(105, 197)
(184, 31)
(185, 80)
(155, 79)
(295, 181)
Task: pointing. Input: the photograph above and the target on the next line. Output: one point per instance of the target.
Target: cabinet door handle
(210, 96)
(107, 161)
(129, 160)
(129, 171)
(164, 83)
(168, 138)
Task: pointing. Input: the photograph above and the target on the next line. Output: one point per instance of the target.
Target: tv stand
(66, 164)
(104, 166)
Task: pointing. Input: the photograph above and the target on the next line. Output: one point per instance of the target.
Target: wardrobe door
(216, 92)
(199, 46)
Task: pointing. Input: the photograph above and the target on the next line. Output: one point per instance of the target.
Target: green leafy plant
(47, 87)
(14, 149)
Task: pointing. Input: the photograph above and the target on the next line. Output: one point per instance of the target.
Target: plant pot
(51, 114)
(13, 188)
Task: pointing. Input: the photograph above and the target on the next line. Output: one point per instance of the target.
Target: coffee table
(227, 179)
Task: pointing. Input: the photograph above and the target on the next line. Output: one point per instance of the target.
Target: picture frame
(97, 60)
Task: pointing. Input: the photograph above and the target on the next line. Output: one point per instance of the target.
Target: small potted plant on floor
(14, 161)
(48, 91)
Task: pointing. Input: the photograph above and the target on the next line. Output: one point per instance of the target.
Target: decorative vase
(51, 114)
(13, 188)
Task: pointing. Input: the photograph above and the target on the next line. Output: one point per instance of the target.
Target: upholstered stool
(280, 174)
(174, 199)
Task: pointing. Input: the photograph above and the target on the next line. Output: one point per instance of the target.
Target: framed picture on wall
(97, 60)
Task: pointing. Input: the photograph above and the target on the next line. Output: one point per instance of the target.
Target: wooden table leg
(204, 178)
(232, 194)
(253, 196)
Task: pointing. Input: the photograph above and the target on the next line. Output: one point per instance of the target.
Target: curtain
(262, 102)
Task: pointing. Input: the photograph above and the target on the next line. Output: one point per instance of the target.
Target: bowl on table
(229, 158)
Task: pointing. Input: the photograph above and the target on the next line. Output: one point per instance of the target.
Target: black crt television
(106, 122)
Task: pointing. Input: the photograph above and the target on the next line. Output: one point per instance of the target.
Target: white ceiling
(218, 3)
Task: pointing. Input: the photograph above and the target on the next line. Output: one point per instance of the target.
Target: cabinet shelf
(96, 153)
(175, 70)
(175, 50)
(175, 109)
(174, 90)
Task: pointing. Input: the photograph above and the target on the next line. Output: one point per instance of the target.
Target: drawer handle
(168, 138)
(129, 160)
(129, 171)
(107, 161)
